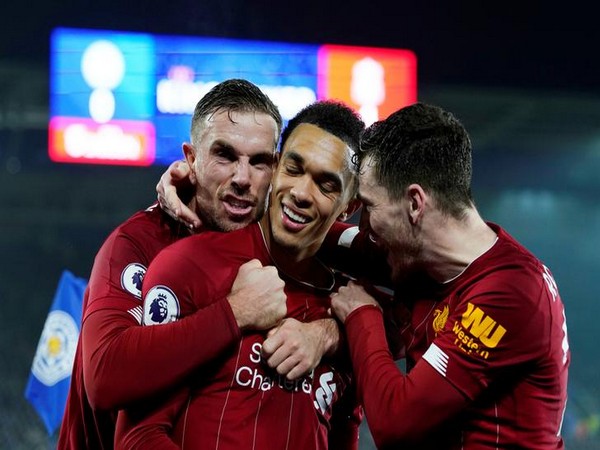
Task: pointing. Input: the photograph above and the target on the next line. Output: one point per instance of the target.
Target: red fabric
(114, 353)
(238, 402)
(491, 343)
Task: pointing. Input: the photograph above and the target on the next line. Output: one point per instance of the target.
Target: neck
(455, 244)
(298, 265)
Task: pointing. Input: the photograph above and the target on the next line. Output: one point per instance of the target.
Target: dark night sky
(522, 44)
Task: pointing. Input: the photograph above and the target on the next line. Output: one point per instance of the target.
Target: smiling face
(389, 223)
(310, 189)
(232, 164)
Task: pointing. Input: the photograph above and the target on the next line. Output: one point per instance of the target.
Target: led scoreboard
(127, 98)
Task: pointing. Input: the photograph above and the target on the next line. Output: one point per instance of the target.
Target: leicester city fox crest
(160, 306)
(132, 278)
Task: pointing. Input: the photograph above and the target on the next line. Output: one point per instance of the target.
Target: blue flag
(50, 376)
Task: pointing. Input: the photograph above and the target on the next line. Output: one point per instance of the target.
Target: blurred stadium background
(522, 80)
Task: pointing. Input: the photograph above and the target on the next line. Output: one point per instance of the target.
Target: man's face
(389, 224)
(232, 164)
(308, 188)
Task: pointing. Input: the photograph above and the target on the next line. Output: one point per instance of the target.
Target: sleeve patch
(160, 306)
(132, 278)
(437, 358)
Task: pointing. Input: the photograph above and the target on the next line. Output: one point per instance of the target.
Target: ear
(190, 156)
(352, 207)
(416, 198)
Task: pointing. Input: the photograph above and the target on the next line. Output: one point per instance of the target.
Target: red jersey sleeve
(400, 409)
(117, 352)
(181, 282)
(177, 288)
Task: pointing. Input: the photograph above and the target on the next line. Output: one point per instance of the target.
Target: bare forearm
(330, 337)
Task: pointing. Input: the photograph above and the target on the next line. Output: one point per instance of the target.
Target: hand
(176, 176)
(257, 298)
(349, 298)
(295, 348)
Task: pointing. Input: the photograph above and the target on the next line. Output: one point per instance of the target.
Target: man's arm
(115, 348)
(117, 352)
(111, 337)
(400, 408)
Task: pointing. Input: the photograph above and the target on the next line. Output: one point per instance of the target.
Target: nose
(241, 175)
(300, 192)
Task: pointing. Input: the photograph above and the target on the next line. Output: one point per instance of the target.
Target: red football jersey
(496, 333)
(108, 354)
(237, 402)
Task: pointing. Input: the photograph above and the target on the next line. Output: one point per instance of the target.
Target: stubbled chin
(228, 225)
(231, 222)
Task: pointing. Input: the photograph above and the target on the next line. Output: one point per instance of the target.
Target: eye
(292, 169)
(225, 154)
(329, 187)
(262, 161)
(329, 183)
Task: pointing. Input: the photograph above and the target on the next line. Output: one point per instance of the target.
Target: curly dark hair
(332, 116)
(335, 118)
(426, 145)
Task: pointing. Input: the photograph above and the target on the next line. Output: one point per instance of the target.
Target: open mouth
(295, 217)
(237, 207)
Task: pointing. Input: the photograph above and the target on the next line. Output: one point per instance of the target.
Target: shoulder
(151, 220)
(508, 283)
(212, 239)
(517, 268)
(140, 224)
(148, 231)
(242, 241)
(506, 267)
(210, 248)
